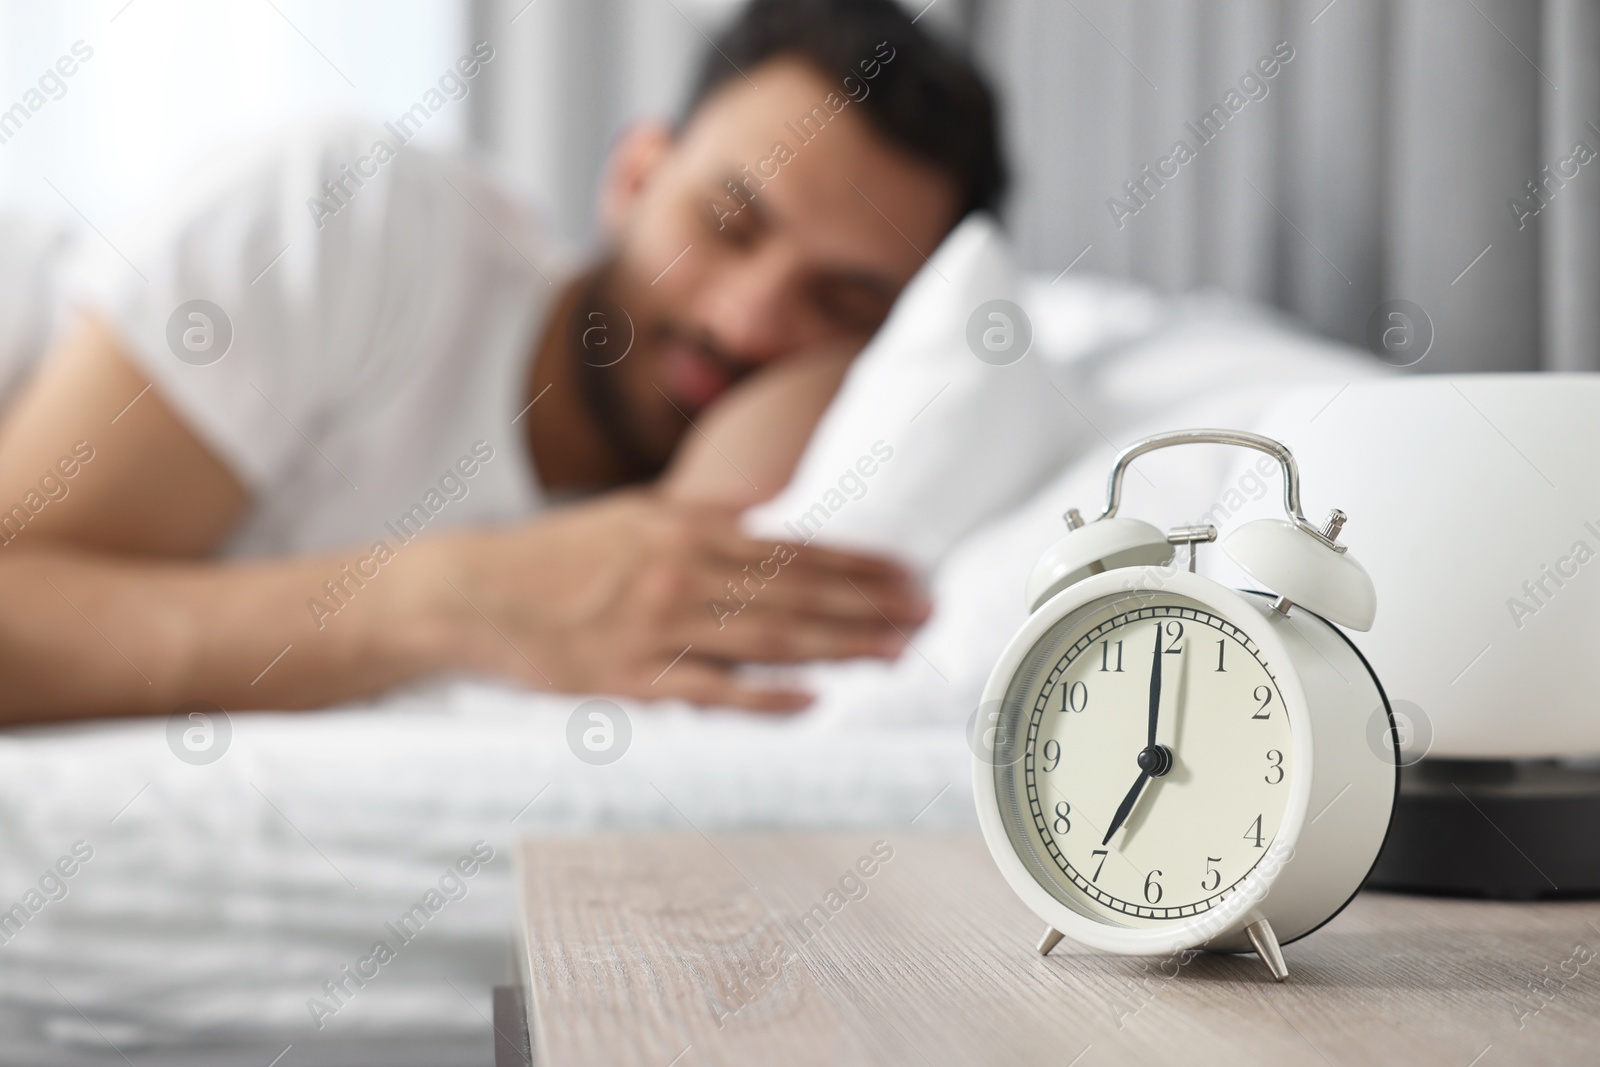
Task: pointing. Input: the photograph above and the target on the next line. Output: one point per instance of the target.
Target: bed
(220, 903)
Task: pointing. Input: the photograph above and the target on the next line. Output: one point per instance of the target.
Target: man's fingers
(767, 635)
(819, 582)
(833, 596)
(808, 590)
(856, 564)
(731, 542)
(703, 682)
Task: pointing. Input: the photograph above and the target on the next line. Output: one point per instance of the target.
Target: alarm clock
(1163, 763)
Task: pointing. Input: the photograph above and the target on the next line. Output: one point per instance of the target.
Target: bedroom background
(1407, 149)
(1379, 161)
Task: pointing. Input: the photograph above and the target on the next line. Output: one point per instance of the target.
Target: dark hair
(926, 100)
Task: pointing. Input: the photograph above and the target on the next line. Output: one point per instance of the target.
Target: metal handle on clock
(1242, 438)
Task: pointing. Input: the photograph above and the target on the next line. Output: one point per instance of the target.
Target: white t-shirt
(382, 334)
(29, 257)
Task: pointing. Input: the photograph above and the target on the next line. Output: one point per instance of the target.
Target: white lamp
(1474, 502)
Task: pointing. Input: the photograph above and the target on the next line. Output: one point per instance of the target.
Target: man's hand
(640, 596)
(114, 607)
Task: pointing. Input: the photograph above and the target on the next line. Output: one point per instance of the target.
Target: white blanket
(218, 899)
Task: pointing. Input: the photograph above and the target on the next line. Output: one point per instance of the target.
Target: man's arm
(746, 447)
(86, 634)
(106, 606)
(150, 486)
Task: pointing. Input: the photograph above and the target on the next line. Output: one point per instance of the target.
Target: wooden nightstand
(900, 948)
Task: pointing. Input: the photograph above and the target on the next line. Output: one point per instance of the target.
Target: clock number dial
(1262, 694)
(1201, 777)
(1174, 637)
(1152, 888)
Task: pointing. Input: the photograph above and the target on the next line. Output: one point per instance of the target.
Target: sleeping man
(339, 420)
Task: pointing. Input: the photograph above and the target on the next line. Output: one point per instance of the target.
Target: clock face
(1123, 830)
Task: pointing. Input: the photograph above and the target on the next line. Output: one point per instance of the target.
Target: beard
(601, 387)
(600, 335)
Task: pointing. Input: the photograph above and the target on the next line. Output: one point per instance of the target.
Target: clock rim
(1180, 934)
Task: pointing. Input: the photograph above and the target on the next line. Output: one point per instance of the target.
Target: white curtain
(1380, 164)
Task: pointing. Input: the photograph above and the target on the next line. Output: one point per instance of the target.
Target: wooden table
(775, 949)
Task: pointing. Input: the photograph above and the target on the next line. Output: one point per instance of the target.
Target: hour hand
(1126, 806)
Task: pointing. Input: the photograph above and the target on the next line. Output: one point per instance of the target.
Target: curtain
(576, 71)
(1389, 159)
(1440, 153)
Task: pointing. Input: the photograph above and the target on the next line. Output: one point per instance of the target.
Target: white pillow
(1213, 362)
(925, 440)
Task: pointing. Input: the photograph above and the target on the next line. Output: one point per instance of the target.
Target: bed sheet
(217, 899)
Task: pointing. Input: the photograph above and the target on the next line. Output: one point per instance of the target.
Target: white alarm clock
(1163, 763)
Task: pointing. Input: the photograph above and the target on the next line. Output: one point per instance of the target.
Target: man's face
(807, 250)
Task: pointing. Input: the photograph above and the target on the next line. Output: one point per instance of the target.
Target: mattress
(217, 899)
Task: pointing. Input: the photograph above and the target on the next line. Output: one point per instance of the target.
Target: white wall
(171, 79)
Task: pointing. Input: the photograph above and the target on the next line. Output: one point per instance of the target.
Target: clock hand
(1154, 760)
(1155, 689)
(1126, 806)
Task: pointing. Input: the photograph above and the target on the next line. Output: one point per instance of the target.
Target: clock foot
(1265, 943)
(1049, 941)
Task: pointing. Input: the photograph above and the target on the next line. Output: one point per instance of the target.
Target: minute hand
(1155, 689)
